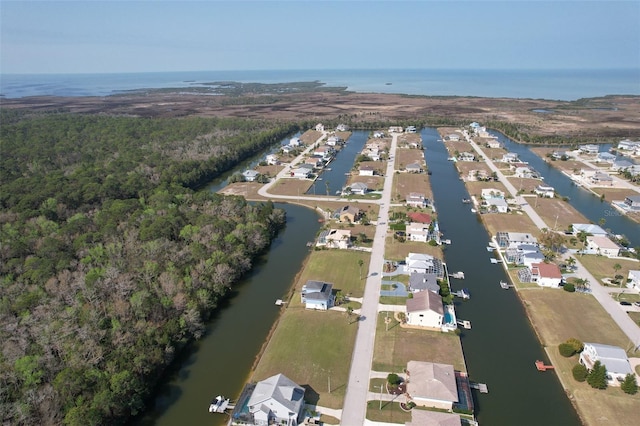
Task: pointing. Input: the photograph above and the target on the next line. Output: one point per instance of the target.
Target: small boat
(219, 404)
(466, 200)
(504, 285)
(474, 211)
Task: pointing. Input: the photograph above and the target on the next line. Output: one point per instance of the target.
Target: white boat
(219, 404)
(504, 285)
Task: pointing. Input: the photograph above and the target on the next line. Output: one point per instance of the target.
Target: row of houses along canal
(500, 349)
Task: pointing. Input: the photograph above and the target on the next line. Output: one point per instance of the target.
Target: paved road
(613, 308)
(355, 401)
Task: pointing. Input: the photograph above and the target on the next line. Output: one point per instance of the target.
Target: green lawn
(396, 347)
(311, 348)
(339, 267)
(390, 412)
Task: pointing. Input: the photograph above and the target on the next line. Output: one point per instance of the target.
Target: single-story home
(378, 135)
(466, 156)
(295, 142)
(303, 171)
(477, 175)
(633, 202)
(431, 384)
(546, 274)
(420, 282)
(606, 157)
(250, 175)
(621, 164)
(419, 217)
(454, 137)
(315, 161)
(510, 157)
(497, 204)
(628, 145)
(342, 128)
(614, 358)
(545, 191)
(633, 280)
(413, 168)
(272, 159)
(587, 228)
(396, 129)
(494, 143)
(601, 179)
(487, 193)
(317, 295)
(425, 309)
(410, 129)
(589, 149)
(602, 245)
(348, 214)
(367, 170)
(359, 188)
(319, 127)
(416, 199)
(275, 400)
(335, 238)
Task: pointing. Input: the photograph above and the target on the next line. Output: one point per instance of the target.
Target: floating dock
(494, 260)
(464, 293)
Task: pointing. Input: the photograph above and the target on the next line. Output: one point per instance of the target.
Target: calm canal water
(334, 180)
(582, 200)
(501, 348)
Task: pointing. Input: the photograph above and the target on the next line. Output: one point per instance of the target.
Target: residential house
(614, 358)
(421, 282)
(507, 239)
(487, 193)
(359, 188)
(419, 217)
(587, 228)
(433, 418)
(632, 202)
(602, 246)
(628, 145)
(294, 142)
(348, 214)
(366, 170)
(416, 199)
(545, 191)
(315, 161)
(413, 168)
(466, 156)
(544, 274)
(475, 126)
(606, 157)
(477, 175)
(425, 309)
(317, 295)
(286, 149)
(494, 143)
(525, 172)
(523, 254)
(589, 149)
(410, 129)
(496, 204)
(335, 238)
(633, 280)
(378, 134)
(275, 400)
(324, 151)
(454, 137)
(342, 128)
(395, 129)
(424, 263)
(250, 175)
(420, 232)
(302, 172)
(333, 140)
(621, 165)
(431, 384)
(271, 159)
(319, 127)
(510, 157)
(601, 179)
(560, 155)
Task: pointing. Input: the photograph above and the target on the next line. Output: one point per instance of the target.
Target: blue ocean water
(537, 84)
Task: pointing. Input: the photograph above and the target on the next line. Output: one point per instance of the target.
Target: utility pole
(380, 397)
(329, 381)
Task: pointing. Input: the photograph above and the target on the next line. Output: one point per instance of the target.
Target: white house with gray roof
(276, 400)
(614, 358)
(425, 309)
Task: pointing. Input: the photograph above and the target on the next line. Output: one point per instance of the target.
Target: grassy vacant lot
(508, 222)
(405, 156)
(339, 267)
(395, 250)
(603, 267)
(557, 316)
(405, 183)
(308, 347)
(310, 136)
(395, 348)
(556, 213)
(291, 187)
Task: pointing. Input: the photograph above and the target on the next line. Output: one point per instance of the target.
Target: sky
(147, 36)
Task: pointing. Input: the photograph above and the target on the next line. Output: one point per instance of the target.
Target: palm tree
(360, 263)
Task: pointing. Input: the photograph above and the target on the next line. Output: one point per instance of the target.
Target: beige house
(425, 310)
(433, 418)
(602, 245)
(349, 214)
(335, 238)
(432, 385)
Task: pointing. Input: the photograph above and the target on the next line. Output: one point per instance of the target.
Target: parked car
(625, 303)
(637, 304)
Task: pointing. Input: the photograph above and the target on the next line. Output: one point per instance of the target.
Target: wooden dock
(541, 366)
(482, 387)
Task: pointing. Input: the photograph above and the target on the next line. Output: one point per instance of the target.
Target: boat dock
(494, 260)
(464, 293)
(220, 404)
(482, 387)
(541, 366)
(505, 285)
(457, 275)
(464, 323)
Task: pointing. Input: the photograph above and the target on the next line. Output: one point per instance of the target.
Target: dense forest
(110, 260)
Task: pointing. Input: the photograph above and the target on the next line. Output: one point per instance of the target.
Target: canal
(334, 180)
(220, 363)
(587, 203)
(501, 348)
